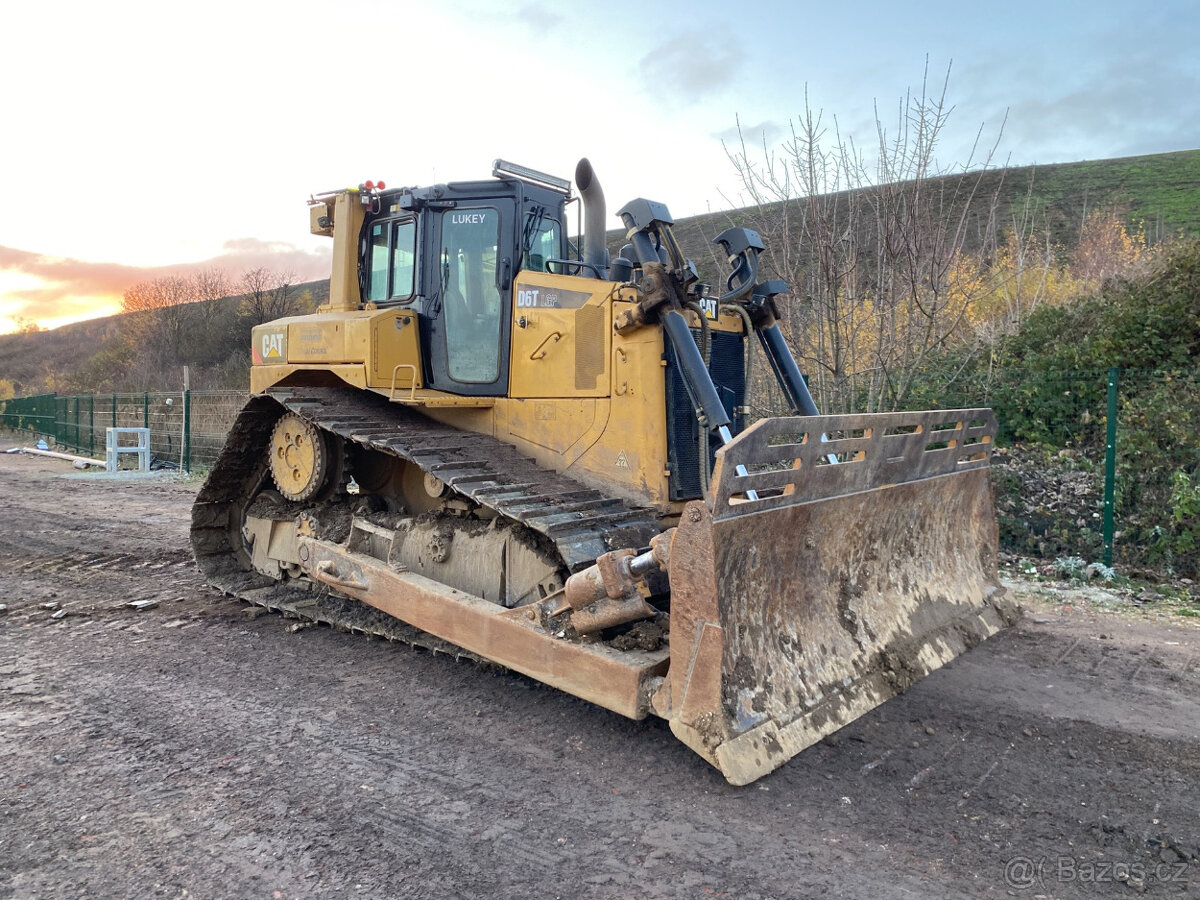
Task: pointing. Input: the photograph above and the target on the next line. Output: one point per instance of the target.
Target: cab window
(470, 294)
(378, 253)
(392, 261)
(404, 259)
(544, 244)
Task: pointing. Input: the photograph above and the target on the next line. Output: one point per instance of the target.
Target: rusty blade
(792, 616)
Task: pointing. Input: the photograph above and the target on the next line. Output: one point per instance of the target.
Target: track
(580, 522)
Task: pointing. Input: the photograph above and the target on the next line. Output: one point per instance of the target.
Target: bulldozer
(514, 446)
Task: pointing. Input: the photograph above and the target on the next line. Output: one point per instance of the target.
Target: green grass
(1160, 193)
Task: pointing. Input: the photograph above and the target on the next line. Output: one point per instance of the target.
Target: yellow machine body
(546, 462)
(582, 398)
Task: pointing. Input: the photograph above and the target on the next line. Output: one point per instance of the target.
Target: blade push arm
(663, 298)
(742, 246)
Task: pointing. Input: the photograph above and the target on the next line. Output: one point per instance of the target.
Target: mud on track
(191, 750)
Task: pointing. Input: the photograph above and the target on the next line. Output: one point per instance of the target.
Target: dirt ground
(190, 749)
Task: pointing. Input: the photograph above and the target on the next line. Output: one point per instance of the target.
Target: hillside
(28, 360)
(53, 360)
(1160, 193)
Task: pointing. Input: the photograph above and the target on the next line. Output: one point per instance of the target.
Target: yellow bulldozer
(494, 442)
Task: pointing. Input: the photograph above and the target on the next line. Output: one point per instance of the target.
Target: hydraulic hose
(706, 355)
(705, 331)
(696, 378)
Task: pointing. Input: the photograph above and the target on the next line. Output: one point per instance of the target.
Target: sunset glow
(192, 138)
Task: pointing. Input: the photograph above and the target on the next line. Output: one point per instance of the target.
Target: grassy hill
(28, 360)
(1160, 193)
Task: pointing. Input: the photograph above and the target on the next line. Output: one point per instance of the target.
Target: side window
(391, 260)
(404, 256)
(545, 244)
(378, 261)
(470, 295)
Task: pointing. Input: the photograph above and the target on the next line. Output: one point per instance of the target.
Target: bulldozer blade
(850, 557)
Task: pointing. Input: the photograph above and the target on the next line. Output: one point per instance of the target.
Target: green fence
(1098, 466)
(187, 429)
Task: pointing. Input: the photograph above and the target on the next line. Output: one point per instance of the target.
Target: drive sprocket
(298, 458)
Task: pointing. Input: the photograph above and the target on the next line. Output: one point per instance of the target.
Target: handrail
(538, 353)
(412, 394)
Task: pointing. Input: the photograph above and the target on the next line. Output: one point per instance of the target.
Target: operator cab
(450, 253)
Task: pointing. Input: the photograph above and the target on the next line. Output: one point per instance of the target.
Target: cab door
(470, 284)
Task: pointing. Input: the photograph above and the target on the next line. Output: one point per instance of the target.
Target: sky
(140, 139)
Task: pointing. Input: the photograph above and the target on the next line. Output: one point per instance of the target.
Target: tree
(1028, 271)
(159, 304)
(267, 294)
(26, 326)
(878, 256)
(177, 320)
(1025, 273)
(1105, 250)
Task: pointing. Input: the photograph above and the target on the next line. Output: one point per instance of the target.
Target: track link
(580, 522)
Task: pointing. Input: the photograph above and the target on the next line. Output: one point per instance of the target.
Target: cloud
(691, 66)
(1136, 91)
(755, 136)
(540, 18)
(1135, 112)
(241, 254)
(53, 290)
(49, 289)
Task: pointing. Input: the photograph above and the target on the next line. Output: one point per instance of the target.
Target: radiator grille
(589, 346)
(727, 365)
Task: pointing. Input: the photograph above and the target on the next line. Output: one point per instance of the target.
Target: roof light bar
(504, 168)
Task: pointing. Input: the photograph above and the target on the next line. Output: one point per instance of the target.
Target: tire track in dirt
(207, 751)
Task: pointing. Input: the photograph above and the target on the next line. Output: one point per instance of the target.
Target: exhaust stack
(595, 252)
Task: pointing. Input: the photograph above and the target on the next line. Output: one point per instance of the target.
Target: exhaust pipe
(595, 252)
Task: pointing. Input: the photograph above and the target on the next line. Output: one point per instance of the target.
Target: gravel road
(195, 749)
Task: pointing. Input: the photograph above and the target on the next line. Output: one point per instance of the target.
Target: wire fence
(187, 428)
(1097, 466)
(1091, 467)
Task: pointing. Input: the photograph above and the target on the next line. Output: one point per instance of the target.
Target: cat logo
(622, 460)
(272, 346)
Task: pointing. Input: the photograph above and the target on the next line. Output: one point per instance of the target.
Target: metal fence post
(92, 425)
(187, 432)
(1110, 465)
(114, 410)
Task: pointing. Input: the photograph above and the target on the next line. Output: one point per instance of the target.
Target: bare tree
(876, 253)
(267, 294)
(159, 305)
(26, 326)
(211, 285)
(177, 320)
